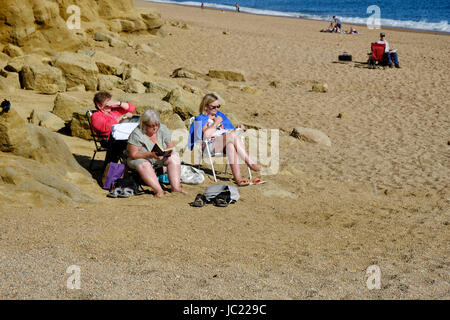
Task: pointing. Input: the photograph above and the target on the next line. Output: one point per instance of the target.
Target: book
(160, 151)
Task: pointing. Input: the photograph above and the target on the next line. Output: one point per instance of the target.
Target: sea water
(429, 15)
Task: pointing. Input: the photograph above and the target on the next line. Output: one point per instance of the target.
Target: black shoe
(199, 201)
(391, 66)
(397, 66)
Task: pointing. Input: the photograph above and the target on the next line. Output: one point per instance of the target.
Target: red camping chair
(377, 54)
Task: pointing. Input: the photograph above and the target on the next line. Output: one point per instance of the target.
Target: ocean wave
(423, 25)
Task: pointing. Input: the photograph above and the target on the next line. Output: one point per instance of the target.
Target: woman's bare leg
(173, 171)
(240, 149)
(149, 177)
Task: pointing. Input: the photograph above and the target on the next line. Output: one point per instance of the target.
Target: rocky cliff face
(48, 24)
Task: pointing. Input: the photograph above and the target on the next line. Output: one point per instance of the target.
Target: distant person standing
(202, 6)
(237, 7)
(338, 25)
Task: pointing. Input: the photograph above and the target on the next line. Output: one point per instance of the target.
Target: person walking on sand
(202, 6)
(237, 7)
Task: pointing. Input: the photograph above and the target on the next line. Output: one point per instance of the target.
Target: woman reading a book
(151, 149)
(211, 123)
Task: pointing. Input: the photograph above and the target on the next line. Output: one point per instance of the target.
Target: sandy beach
(379, 195)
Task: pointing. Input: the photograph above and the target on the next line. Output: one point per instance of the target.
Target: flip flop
(257, 181)
(115, 193)
(126, 193)
(242, 183)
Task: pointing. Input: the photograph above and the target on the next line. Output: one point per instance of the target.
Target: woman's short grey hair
(149, 118)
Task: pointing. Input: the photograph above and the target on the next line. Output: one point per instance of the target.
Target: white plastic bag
(191, 175)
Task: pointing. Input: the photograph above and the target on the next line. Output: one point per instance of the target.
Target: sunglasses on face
(214, 107)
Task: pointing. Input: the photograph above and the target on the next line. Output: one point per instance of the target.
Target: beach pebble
(320, 87)
(343, 115)
(311, 135)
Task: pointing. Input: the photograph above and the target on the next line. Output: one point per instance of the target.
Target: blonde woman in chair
(211, 123)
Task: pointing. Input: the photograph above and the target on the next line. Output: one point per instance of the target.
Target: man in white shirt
(388, 52)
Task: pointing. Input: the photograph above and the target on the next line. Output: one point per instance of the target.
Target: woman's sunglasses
(214, 107)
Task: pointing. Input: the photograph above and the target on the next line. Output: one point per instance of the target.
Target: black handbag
(345, 57)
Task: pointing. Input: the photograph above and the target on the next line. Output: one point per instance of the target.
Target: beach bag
(345, 57)
(113, 171)
(230, 193)
(191, 175)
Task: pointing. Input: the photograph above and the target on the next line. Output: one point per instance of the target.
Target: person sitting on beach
(389, 53)
(337, 26)
(141, 158)
(211, 123)
(353, 31)
(330, 28)
(110, 112)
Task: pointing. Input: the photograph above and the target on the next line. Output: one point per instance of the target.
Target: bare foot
(180, 191)
(159, 194)
(254, 167)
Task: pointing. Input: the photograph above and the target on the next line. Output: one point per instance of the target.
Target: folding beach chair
(377, 54)
(204, 151)
(99, 139)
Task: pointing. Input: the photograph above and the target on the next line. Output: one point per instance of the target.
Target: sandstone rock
(108, 64)
(79, 126)
(311, 135)
(146, 101)
(101, 36)
(320, 87)
(40, 144)
(182, 73)
(138, 72)
(16, 64)
(172, 121)
(65, 105)
(227, 75)
(4, 59)
(78, 69)
(109, 82)
(194, 90)
(162, 32)
(43, 78)
(152, 20)
(46, 119)
(143, 48)
(115, 26)
(38, 169)
(79, 88)
(117, 43)
(185, 104)
(215, 85)
(161, 86)
(5, 86)
(12, 50)
(45, 12)
(13, 80)
(134, 86)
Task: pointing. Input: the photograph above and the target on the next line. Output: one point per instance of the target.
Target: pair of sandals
(200, 201)
(245, 182)
(121, 193)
